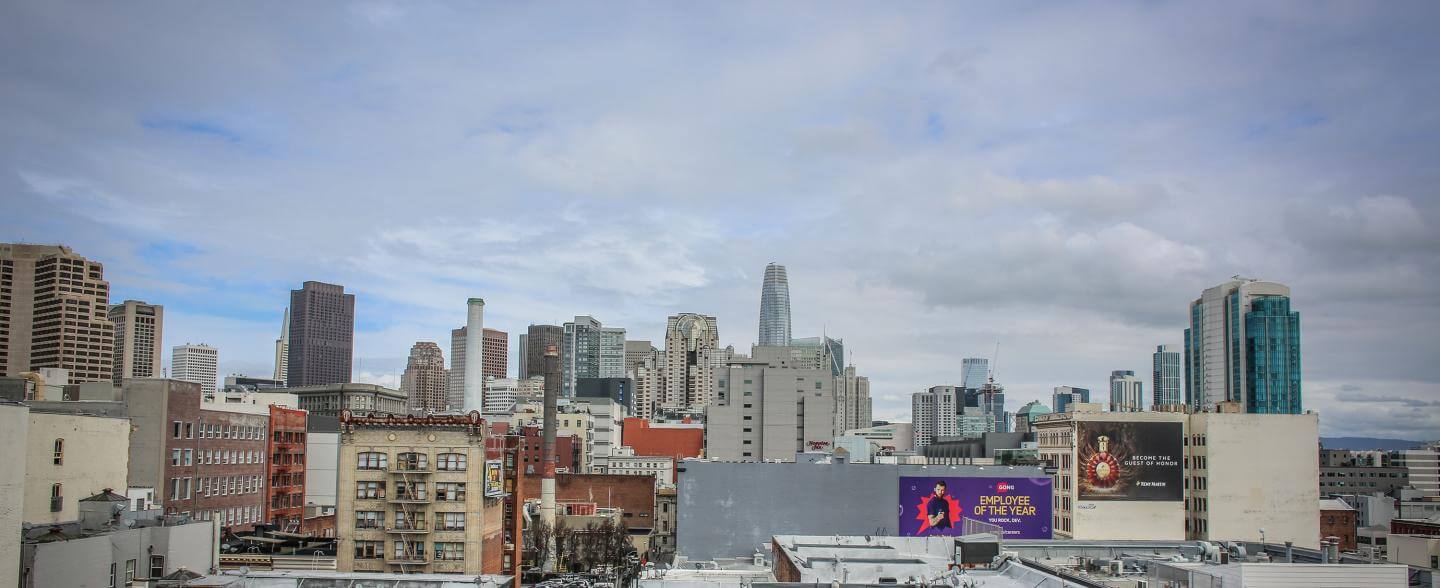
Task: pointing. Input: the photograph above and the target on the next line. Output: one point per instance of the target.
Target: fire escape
(411, 501)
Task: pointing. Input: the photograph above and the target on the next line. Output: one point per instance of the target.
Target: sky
(1060, 179)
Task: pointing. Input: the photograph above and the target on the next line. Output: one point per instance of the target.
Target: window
(129, 571)
(57, 498)
(157, 566)
(411, 551)
(451, 461)
(59, 452)
(370, 490)
(368, 549)
(189, 434)
(189, 457)
(112, 576)
(412, 461)
(449, 551)
(175, 430)
(450, 491)
(410, 491)
(370, 460)
(174, 457)
(368, 519)
(450, 521)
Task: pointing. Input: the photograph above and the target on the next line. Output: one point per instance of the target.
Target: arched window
(59, 452)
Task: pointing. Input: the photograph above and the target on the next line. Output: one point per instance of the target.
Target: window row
(184, 430)
(227, 485)
(187, 457)
(375, 519)
(410, 550)
(444, 491)
(375, 460)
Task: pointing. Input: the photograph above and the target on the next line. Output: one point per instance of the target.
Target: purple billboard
(941, 505)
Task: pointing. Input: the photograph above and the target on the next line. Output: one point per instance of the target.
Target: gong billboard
(1129, 461)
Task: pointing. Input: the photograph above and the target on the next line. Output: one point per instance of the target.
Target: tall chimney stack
(547, 476)
(474, 355)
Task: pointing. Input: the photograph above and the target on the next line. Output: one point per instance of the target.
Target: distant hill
(1364, 443)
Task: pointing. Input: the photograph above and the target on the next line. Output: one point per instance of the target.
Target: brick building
(678, 442)
(285, 502)
(1338, 519)
(531, 450)
(208, 463)
(634, 496)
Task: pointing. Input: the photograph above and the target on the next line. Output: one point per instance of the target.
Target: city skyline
(926, 201)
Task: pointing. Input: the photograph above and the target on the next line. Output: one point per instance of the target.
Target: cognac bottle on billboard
(1101, 470)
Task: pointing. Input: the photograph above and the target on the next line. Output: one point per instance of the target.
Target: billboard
(1129, 461)
(934, 505)
(494, 478)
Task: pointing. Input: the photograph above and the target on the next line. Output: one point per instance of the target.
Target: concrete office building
(888, 438)
(1235, 490)
(330, 399)
(763, 412)
(1422, 467)
(624, 462)
(282, 350)
(322, 335)
(412, 497)
(589, 350)
(1351, 472)
(497, 353)
(138, 331)
(455, 374)
(1127, 392)
(935, 413)
(852, 400)
(775, 307)
(603, 441)
(1065, 396)
(1243, 346)
(532, 354)
(54, 313)
(114, 546)
(690, 364)
(974, 371)
(423, 382)
(196, 363)
(70, 456)
(1167, 382)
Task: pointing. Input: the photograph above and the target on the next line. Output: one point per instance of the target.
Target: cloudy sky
(1060, 178)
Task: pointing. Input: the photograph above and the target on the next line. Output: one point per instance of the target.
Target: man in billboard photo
(937, 510)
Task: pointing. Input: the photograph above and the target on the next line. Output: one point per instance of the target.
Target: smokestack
(547, 475)
(474, 355)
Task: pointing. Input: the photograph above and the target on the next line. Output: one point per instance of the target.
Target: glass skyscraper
(1166, 384)
(1243, 346)
(974, 371)
(775, 307)
(1272, 349)
(1067, 395)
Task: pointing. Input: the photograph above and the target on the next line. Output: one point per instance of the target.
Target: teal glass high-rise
(1272, 348)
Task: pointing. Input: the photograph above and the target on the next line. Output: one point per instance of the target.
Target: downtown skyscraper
(589, 349)
(691, 344)
(1243, 346)
(54, 313)
(973, 372)
(423, 382)
(139, 328)
(322, 335)
(775, 307)
(1167, 385)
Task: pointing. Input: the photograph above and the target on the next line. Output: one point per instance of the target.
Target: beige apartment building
(54, 313)
(412, 496)
(1172, 476)
(69, 457)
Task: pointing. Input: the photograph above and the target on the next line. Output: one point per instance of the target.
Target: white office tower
(775, 307)
(852, 401)
(474, 355)
(1127, 392)
(935, 413)
(196, 363)
(282, 350)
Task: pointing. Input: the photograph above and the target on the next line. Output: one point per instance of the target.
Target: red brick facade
(285, 501)
(1339, 523)
(633, 495)
(229, 469)
(676, 442)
